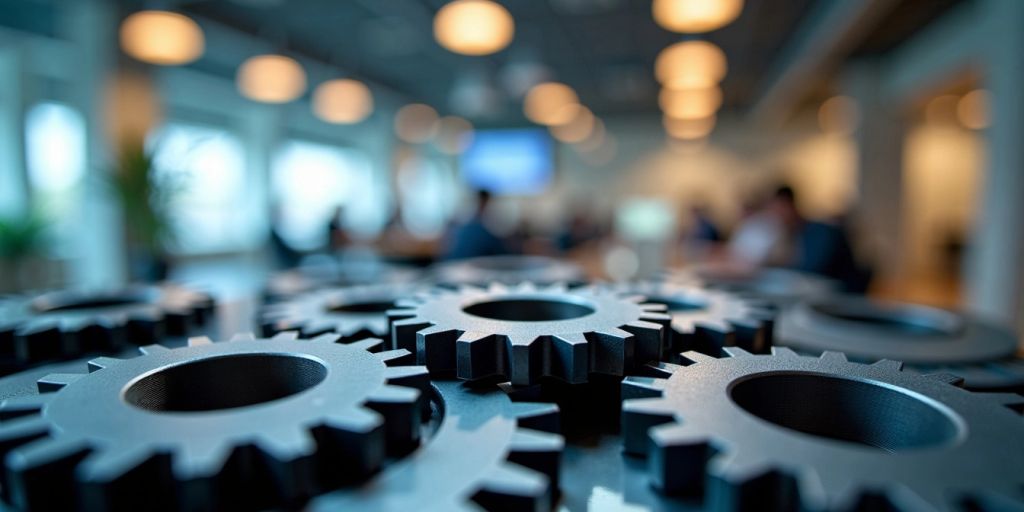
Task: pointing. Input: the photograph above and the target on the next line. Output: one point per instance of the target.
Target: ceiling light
(454, 135)
(544, 103)
(695, 16)
(690, 64)
(689, 129)
(271, 79)
(416, 123)
(162, 37)
(473, 27)
(342, 101)
(972, 110)
(838, 114)
(690, 103)
(578, 128)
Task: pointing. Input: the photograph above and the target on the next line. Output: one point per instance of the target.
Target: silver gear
(525, 332)
(775, 285)
(489, 452)
(181, 429)
(69, 323)
(289, 283)
(508, 270)
(926, 339)
(789, 432)
(707, 320)
(353, 312)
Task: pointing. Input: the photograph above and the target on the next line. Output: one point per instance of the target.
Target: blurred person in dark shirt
(474, 238)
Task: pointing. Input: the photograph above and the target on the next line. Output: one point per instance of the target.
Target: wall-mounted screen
(509, 162)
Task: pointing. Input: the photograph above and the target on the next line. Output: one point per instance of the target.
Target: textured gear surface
(68, 324)
(289, 283)
(702, 434)
(574, 332)
(925, 338)
(98, 442)
(776, 285)
(487, 451)
(353, 312)
(707, 320)
(508, 270)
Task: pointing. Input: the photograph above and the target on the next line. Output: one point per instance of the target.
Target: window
(55, 157)
(429, 195)
(311, 181)
(213, 211)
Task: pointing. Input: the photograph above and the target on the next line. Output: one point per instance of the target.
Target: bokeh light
(578, 128)
(695, 16)
(689, 129)
(271, 79)
(698, 103)
(838, 114)
(416, 123)
(162, 37)
(973, 109)
(473, 27)
(454, 135)
(544, 103)
(342, 101)
(690, 64)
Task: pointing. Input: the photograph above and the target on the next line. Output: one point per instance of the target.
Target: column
(14, 189)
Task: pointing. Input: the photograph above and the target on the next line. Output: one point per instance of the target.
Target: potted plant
(21, 239)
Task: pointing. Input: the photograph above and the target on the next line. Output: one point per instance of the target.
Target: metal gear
(789, 432)
(707, 320)
(245, 424)
(775, 285)
(508, 270)
(525, 332)
(68, 324)
(289, 283)
(925, 338)
(486, 452)
(353, 312)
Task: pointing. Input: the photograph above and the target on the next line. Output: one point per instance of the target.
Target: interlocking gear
(69, 324)
(778, 286)
(707, 320)
(525, 332)
(789, 432)
(508, 270)
(289, 283)
(925, 338)
(487, 452)
(353, 312)
(245, 424)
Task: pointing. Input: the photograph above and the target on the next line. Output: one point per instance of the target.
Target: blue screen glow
(515, 162)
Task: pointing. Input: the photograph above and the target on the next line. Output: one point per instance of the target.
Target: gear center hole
(529, 310)
(363, 307)
(225, 382)
(864, 413)
(913, 322)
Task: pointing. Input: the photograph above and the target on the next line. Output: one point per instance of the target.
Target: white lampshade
(162, 37)
(271, 79)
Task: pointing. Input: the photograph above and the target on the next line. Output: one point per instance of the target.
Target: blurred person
(337, 238)
(578, 232)
(702, 237)
(282, 254)
(473, 237)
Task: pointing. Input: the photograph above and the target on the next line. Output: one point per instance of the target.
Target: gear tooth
(100, 363)
(196, 341)
(539, 451)
(509, 486)
(25, 405)
(736, 352)
(784, 352)
(368, 344)
(197, 463)
(537, 416)
(697, 357)
(408, 376)
(404, 332)
(496, 287)
(677, 458)
(153, 349)
(281, 336)
(401, 408)
(639, 415)
(948, 378)
(56, 381)
(395, 357)
(480, 358)
(663, 369)
(326, 338)
(287, 445)
(471, 336)
(527, 286)
(525, 354)
(833, 356)
(652, 307)
(571, 357)
(643, 387)
(558, 287)
(244, 336)
(1012, 401)
(881, 364)
(615, 332)
(716, 326)
(40, 453)
(109, 464)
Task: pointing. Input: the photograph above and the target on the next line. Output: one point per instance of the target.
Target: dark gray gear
(775, 285)
(487, 452)
(297, 281)
(707, 320)
(526, 333)
(508, 270)
(925, 338)
(245, 424)
(354, 312)
(68, 324)
(789, 432)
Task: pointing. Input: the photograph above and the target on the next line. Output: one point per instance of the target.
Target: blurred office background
(218, 140)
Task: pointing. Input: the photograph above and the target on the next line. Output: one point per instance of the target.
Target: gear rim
(507, 270)
(699, 440)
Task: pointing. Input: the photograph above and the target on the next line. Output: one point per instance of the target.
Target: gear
(508, 270)
(69, 324)
(297, 281)
(788, 432)
(354, 312)
(487, 452)
(707, 320)
(526, 332)
(775, 285)
(246, 424)
(923, 337)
